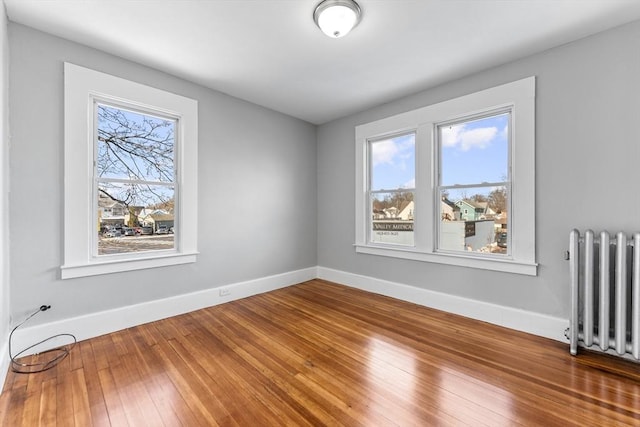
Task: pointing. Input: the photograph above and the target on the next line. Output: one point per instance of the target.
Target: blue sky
(475, 152)
(152, 154)
(472, 152)
(393, 162)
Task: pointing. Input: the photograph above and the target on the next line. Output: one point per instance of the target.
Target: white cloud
(505, 132)
(410, 184)
(449, 135)
(383, 152)
(406, 142)
(392, 151)
(459, 136)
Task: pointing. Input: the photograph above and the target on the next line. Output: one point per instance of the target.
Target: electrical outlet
(224, 292)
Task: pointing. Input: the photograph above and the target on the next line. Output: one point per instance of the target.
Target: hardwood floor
(323, 354)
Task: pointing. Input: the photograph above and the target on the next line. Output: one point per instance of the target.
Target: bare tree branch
(137, 147)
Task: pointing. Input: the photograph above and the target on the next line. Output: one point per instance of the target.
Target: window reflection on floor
(392, 369)
(457, 397)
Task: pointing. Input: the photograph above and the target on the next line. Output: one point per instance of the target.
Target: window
(464, 168)
(130, 175)
(391, 190)
(473, 171)
(134, 173)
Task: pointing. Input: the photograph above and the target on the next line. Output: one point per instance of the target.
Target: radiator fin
(605, 293)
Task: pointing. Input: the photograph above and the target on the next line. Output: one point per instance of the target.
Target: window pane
(134, 218)
(475, 151)
(474, 219)
(393, 163)
(131, 145)
(392, 217)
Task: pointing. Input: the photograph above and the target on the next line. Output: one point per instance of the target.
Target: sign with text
(397, 232)
(393, 226)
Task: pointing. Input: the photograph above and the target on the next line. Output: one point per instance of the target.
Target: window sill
(116, 266)
(493, 264)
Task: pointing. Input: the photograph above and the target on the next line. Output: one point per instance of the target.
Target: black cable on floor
(59, 352)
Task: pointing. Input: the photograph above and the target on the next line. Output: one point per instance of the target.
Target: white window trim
(82, 86)
(520, 97)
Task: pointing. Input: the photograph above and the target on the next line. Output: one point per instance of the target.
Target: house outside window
(473, 186)
(138, 145)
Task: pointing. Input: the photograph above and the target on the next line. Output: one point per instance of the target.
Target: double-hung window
(130, 175)
(135, 181)
(452, 182)
(391, 189)
(473, 183)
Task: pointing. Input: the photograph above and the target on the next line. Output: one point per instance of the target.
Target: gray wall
(4, 182)
(257, 187)
(587, 170)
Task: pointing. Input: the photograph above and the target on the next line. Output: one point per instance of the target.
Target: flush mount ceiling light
(337, 17)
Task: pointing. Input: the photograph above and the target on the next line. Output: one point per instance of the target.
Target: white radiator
(605, 293)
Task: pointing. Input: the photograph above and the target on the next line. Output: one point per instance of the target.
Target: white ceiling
(271, 53)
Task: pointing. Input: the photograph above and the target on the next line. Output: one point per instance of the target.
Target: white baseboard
(104, 322)
(521, 320)
(96, 324)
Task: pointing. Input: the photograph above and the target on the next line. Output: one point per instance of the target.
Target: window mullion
(424, 169)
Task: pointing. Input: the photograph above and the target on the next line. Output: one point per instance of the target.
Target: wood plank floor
(323, 354)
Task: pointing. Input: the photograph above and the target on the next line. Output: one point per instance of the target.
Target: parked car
(127, 231)
(146, 230)
(112, 233)
(162, 230)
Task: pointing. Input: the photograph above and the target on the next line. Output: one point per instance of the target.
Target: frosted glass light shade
(336, 18)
